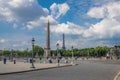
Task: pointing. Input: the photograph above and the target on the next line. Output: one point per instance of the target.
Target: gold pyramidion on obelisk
(48, 39)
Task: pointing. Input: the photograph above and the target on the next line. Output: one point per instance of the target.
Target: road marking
(117, 76)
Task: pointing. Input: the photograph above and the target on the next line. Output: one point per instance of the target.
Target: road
(86, 70)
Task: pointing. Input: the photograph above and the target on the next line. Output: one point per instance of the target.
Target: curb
(34, 70)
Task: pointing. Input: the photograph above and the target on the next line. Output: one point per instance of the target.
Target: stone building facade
(114, 53)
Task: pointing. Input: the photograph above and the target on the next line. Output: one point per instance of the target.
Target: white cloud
(21, 10)
(109, 26)
(101, 2)
(68, 28)
(15, 26)
(110, 10)
(42, 21)
(3, 40)
(97, 12)
(58, 10)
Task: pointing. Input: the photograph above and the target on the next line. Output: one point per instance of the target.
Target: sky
(85, 23)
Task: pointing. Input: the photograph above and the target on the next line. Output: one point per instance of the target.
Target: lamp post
(57, 53)
(11, 55)
(72, 55)
(27, 54)
(3, 53)
(33, 40)
(88, 54)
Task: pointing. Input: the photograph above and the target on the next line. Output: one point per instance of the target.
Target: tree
(39, 50)
(6, 53)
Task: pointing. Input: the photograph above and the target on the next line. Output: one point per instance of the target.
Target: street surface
(86, 70)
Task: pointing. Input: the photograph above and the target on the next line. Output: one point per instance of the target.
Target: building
(114, 53)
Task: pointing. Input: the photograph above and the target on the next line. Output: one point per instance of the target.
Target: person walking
(14, 60)
(4, 60)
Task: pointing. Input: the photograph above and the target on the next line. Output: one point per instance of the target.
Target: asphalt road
(86, 70)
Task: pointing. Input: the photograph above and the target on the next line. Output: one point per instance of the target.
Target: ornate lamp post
(88, 54)
(33, 40)
(3, 53)
(72, 55)
(11, 55)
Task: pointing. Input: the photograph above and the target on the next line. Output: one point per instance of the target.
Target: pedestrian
(50, 60)
(76, 58)
(58, 60)
(66, 61)
(14, 60)
(4, 60)
(30, 60)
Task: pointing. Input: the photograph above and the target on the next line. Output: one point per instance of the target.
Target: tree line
(98, 51)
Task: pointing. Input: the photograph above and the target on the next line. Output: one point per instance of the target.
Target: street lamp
(3, 52)
(33, 40)
(57, 53)
(11, 55)
(72, 55)
(27, 54)
(88, 54)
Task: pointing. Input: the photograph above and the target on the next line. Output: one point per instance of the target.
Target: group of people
(50, 60)
(5, 60)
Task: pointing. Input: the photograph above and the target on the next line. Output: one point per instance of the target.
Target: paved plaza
(10, 67)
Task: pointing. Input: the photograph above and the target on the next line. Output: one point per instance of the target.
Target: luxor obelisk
(47, 53)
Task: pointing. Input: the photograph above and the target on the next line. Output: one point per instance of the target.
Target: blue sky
(86, 23)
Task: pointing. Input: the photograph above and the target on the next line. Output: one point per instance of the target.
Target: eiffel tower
(63, 45)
